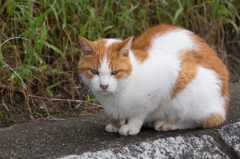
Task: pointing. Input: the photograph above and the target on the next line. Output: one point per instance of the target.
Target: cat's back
(163, 38)
(183, 54)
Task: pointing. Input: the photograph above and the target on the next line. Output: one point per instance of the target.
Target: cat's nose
(104, 87)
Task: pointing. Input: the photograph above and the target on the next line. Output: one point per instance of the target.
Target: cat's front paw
(163, 126)
(128, 130)
(112, 128)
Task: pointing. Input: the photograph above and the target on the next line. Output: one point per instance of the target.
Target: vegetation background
(39, 41)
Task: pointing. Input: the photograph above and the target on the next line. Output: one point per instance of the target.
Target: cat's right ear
(86, 46)
(124, 47)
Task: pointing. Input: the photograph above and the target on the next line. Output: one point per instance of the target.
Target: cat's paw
(121, 122)
(128, 130)
(112, 128)
(163, 126)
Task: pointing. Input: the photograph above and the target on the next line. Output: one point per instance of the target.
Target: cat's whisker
(117, 94)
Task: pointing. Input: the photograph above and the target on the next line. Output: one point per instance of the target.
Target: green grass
(44, 49)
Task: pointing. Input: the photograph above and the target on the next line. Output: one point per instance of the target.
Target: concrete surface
(85, 137)
(231, 136)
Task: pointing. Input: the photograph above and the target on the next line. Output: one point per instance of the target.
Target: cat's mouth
(104, 92)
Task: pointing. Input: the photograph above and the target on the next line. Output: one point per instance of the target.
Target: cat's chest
(116, 100)
(126, 102)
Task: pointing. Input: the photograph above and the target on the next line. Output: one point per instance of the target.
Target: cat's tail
(212, 121)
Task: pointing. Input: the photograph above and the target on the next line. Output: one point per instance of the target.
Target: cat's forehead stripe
(110, 41)
(100, 46)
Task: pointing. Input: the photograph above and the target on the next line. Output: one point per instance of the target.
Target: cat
(168, 79)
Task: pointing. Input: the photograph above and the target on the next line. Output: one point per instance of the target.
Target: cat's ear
(86, 46)
(124, 47)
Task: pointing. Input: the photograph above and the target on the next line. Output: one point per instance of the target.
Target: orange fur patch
(92, 61)
(140, 55)
(212, 121)
(116, 62)
(188, 72)
(141, 45)
(119, 122)
(208, 58)
(204, 56)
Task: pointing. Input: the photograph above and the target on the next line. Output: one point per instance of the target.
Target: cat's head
(105, 64)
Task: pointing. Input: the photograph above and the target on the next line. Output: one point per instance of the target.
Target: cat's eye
(115, 72)
(94, 71)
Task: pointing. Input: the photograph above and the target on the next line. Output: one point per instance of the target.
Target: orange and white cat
(169, 78)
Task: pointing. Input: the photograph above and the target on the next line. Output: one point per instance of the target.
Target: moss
(76, 109)
(39, 115)
(11, 121)
(26, 116)
(3, 113)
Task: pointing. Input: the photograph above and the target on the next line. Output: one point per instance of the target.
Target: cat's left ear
(86, 46)
(124, 47)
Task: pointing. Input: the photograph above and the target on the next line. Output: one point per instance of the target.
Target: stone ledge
(231, 136)
(172, 147)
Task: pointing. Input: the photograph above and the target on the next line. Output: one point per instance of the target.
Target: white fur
(110, 41)
(112, 128)
(104, 72)
(145, 96)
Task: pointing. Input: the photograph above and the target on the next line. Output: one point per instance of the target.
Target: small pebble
(53, 120)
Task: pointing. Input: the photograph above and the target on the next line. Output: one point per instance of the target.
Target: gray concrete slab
(231, 135)
(77, 135)
(172, 147)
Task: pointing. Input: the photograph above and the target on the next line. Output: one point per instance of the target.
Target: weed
(39, 115)
(11, 121)
(76, 109)
(89, 99)
(26, 116)
(39, 47)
